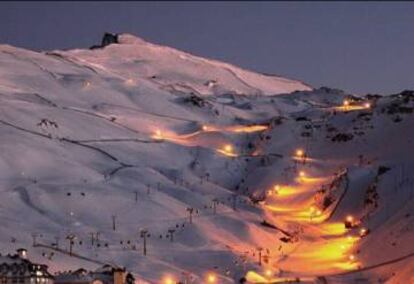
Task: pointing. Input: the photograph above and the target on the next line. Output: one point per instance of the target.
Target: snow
(138, 120)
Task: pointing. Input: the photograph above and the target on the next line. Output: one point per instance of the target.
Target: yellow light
(268, 273)
(168, 280)
(277, 187)
(158, 134)
(211, 278)
(302, 174)
(319, 212)
(349, 218)
(228, 148)
(346, 103)
(299, 153)
(363, 232)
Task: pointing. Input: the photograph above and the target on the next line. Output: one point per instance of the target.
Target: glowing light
(268, 273)
(168, 280)
(352, 257)
(333, 229)
(247, 129)
(349, 238)
(211, 278)
(302, 174)
(349, 218)
(363, 232)
(285, 191)
(367, 105)
(300, 153)
(346, 103)
(158, 135)
(227, 150)
(205, 128)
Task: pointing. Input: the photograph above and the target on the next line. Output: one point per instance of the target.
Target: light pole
(234, 199)
(171, 234)
(260, 255)
(114, 222)
(144, 234)
(215, 203)
(71, 238)
(190, 211)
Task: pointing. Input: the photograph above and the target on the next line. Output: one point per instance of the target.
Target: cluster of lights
(347, 103)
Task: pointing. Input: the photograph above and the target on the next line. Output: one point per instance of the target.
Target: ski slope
(109, 143)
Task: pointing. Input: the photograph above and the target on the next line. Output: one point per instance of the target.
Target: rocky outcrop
(107, 39)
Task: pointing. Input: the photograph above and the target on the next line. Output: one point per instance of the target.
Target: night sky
(358, 47)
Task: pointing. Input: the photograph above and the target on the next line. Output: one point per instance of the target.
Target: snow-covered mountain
(134, 139)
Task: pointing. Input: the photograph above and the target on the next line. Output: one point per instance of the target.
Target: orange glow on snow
(236, 128)
(333, 229)
(227, 150)
(284, 191)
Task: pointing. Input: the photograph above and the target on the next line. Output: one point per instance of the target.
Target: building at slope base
(18, 269)
(105, 275)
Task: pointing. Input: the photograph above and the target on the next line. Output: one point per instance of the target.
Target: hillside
(200, 157)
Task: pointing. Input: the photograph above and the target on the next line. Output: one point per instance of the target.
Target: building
(18, 269)
(104, 275)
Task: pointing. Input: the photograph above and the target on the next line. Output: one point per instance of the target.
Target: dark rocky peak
(107, 39)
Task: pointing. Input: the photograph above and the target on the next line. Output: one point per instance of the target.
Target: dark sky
(358, 47)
